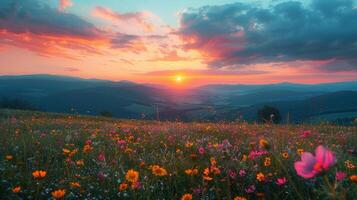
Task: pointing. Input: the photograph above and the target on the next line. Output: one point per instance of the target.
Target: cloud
(239, 34)
(25, 16)
(140, 19)
(37, 27)
(128, 42)
(63, 4)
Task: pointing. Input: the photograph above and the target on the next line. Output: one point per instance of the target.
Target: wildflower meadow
(53, 156)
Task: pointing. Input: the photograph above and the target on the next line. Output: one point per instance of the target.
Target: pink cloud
(63, 4)
(140, 18)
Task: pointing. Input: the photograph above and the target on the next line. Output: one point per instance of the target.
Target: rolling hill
(125, 99)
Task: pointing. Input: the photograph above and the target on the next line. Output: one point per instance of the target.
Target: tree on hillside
(269, 114)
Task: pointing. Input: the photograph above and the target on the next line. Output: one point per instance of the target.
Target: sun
(179, 78)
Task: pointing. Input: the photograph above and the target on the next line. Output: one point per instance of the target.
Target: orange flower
(244, 158)
(16, 189)
(158, 171)
(215, 170)
(9, 157)
(66, 151)
(267, 162)
(260, 177)
(189, 144)
(58, 194)
(80, 162)
(285, 155)
(206, 176)
(213, 161)
(123, 186)
(186, 197)
(191, 171)
(132, 176)
(300, 151)
(240, 198)
(75, 184)
(39, 174)
(87, 148)
(353, 178)
(264, 143)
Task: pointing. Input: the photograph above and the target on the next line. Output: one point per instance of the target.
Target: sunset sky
(200, 41)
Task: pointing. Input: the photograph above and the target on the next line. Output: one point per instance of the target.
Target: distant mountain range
(124, 99)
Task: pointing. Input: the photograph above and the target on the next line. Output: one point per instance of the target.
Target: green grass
(36, 141)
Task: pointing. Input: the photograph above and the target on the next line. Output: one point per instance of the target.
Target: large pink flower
(311, 165)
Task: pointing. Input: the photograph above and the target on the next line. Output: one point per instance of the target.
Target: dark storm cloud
(30, 16)
(238, 34)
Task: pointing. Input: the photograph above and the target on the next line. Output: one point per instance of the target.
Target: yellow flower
(9, 157)
(58, 194)
(158, 171)
(16, 189)
(123, 186)
(186, 197)
(132, 176)
(75, 184)
(260, 177)
(39, 174)
(240, 198)
(128, 151)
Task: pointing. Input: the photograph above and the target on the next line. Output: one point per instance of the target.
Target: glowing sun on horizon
(179, 78)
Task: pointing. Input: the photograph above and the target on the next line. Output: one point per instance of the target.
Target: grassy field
(47, 156)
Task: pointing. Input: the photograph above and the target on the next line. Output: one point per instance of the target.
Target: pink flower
(101, 157)
(242, 172)
(250, 189)
(201, 150)
(305, 133)
(89, 142)
(311, 165)
(340, 175)
(232, 174)
(281, 181)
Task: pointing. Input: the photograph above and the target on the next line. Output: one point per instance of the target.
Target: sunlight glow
(179, 78)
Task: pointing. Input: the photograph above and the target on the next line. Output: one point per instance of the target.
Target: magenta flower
(201, 150)
(101, 157)
(281, 181)
(305, 133)
(340, 175)
(250, 189)
(311, 165)
(242, 172)
(232, 174)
